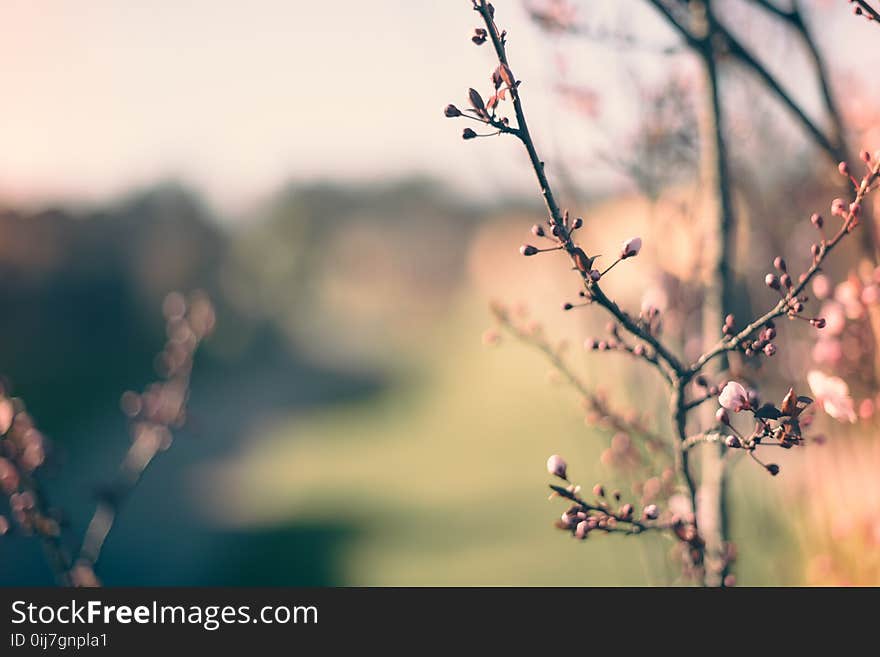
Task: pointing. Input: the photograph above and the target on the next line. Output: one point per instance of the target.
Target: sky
(235, 98)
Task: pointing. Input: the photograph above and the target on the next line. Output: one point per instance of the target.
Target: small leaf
(789, 407)
(506, 75)
(582, 261)
(768, 411)
(496, 77)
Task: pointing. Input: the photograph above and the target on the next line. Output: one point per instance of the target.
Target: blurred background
(347, 423)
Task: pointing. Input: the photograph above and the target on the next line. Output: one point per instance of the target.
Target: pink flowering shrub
(744, 421)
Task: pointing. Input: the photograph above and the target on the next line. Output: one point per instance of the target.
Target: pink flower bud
(838, 207)
(722, 416)
(818, 322)
(734, 397)
(817, 220)
(843, 168)
(582, 529)
(577, 223)
(771, 281)
(733, 442)
(557, 466)
(528, 250)
(769, 349)
(538, 230)
(651, 512)
(779, 263)
(631, 247)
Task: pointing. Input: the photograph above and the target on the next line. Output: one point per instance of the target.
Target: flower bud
(631, 247)
(733, 442)
(467, 133)
(779, 263)
(538, 230)
(567, 306)
(582, 529)
(817, 220)
(773, 469)
(595, 275)
(838, 207)
(771, 281)
(599, 490)
(651, 512)
(451, 111)
(843, 168)
(626, 510)
(785, 279)
(557, 466)
(528, 250)
(818, 322)
(722, 416)
(769, 349)
(866, 157)
(578, 222)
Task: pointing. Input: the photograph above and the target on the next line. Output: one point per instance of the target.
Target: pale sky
(237, 97)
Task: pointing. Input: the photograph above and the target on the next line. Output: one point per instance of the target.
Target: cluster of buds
(560, 234)
(484, 111)
(606, 514)
(153, 414)
(616, 342)
(23, 450)
(773, 425)
(782, 283)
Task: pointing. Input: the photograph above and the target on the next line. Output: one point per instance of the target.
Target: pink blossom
(827, 351)
(870, 295)
(734, 397)
(822, 286)
(832, 393)
(835, 319)
(848, 294)
(631, 247)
